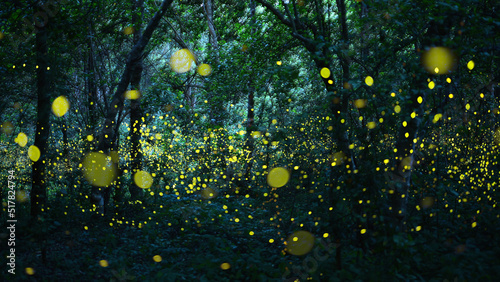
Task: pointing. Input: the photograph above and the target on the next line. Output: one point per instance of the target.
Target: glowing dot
(90, 138)
(325, 73)
(204, 69)
(278, 177)
(98, 170)
(325, 235)
(103, 263)
(470, 65)
(363, 231)
(30, 271)
(157, 258)
(60, 106)
(300, 243)
(158, 136)
(397, 109)
(431, 85)
(420, 100)
(438, 60)
(448, 80)
(271, 240)
(369, 81)
(128, 30)
(21, 139)
(251, 233)
(34, 153)
(274, 121)
(360, 103)
(371, 125)
(143, 179)
(278, 63)
(181, 61)
(225, 266)
(451, 96)
(393, 94)
(467, 106)
(132, 94)
(474, 224)
(418, 228)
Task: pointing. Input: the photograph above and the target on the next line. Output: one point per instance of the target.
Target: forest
(250, 140)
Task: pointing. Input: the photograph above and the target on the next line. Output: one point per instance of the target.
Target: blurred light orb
(60, 106)
(21, 139)
(181, 61)
(438, 60)
(204, 69)
(98, 169)
(7, 127)
(132, 94)
(143, 179)
(34, 153)
(325, 73)
(369, 81)
(300, 243)
(278, 177)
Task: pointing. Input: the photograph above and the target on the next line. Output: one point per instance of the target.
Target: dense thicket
(250, 140)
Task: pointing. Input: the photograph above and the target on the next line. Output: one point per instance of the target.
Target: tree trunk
(135, 106)
(39, 190)
(107, 135)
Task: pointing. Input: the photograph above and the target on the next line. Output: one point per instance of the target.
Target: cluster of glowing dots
(143, 179)
(98, 169)
(60, 106)
(438, 60)
(278, 177)
(299, 243)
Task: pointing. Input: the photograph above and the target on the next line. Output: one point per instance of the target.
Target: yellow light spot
(451, 96)
(470, 65)
(132, 94)
(300, 243)
(448, 80)
(34, 153)
(274, 121)
(103, 263)
(474, 224)
(204, 69)
(225, 266)
(420, 100)
(157, 258)
(397, 109)
(30, 271)
(181, 61)
(208, 193)
(467, 106)
(251, 233)
(325, 235)
(21, 139)
(369, 81)
(360, 103)
(21, 196)
(440, 59)
(325, 73)
(60, 106)
(7, 127)
(418, 228)
(98, 169)
(278, 177)
(143, 179)
(90, 138)
(278, 63)
(371, 125)
(431, 85)
(363, 231)
(271, 240)
(128, 30)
